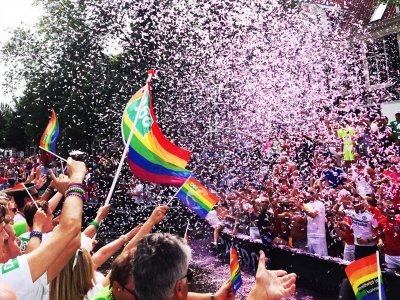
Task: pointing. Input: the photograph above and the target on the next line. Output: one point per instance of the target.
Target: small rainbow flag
(196, 196)
(152, 157)
(50, 134)
(235, 271)
(366, 278)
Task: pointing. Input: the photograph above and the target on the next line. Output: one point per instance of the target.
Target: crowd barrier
(323, 275)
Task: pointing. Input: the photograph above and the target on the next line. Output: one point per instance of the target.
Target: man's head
(22, 197)
(397, 116)
(160, 267)
(391, 212)
(121, 279)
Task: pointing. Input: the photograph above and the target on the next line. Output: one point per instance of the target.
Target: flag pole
(34, 202)
(187, 229)
(151, 73)
(172, 198)
(59, 157)
(379, 275)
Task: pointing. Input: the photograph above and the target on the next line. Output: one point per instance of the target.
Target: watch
(212, 297)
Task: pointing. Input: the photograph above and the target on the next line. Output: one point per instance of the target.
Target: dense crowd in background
(47, 252)
(334, 193)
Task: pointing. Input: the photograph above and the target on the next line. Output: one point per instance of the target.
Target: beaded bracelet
(76, 195)
(35, 233)
(75, 190)
(75, 185)
(95, 224)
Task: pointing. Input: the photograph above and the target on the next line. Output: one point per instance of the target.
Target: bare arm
(105, 252)
(103, 211)
(66, 236)
(156, 217)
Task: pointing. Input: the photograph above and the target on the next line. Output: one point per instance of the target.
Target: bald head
(6, 292)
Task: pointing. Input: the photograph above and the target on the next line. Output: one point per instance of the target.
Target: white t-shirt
(316, 226)
(18, 217)
(99, 278)
(363, 224)
(25, 237)
(138, 189)
(16, 273)
(362, 186)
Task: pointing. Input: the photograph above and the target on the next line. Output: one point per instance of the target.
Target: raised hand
(271, 285)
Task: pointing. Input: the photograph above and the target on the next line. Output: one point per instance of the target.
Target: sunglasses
(132, 292)
(188, 276)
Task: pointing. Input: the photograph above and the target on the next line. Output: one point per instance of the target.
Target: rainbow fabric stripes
(50, 134)
(152, 157)
(363, 276)
(196, 196)
(235, 271)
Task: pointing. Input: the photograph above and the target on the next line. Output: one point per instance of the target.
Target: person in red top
(390, 237)
(344, 231)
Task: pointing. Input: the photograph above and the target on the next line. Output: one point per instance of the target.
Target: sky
(14, 13)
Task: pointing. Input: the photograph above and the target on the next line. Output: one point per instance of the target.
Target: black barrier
(323, 275)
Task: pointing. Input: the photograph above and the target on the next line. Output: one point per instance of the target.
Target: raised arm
(102, 213)
(66, 235)
(156, 217)
(105, 252)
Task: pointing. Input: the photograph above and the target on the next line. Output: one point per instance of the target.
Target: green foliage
(396, 2)
(65, 67)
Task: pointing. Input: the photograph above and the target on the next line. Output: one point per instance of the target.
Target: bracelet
(76, 195)
(75, 185)
(50, 189)
(95, 224)
(35, 233)
(75, 190)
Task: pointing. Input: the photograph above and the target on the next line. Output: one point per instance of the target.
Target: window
(378, 13)
(383, 59)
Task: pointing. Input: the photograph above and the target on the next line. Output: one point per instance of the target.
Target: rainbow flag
(50, 134)
(152, 157)
(235, 271)
(364, 275)
(196, 196)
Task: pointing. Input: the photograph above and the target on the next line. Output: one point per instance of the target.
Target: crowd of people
(332, 194)
(47, 257)
(336, 193)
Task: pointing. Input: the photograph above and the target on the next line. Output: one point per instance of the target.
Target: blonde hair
(74, 282)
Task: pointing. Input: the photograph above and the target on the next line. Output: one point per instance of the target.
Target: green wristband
(95, 224)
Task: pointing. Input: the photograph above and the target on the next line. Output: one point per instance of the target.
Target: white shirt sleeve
(16, 273)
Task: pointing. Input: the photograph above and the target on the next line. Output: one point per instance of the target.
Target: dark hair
(122, 268)
(30, 210)
(19, 198)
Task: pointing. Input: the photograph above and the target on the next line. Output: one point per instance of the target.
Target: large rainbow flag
(365, 277)
(235, 271)
(196, 196)
(50, 134)
(152, 157)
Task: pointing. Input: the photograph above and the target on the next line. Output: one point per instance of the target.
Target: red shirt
(377, 213)
(391, 233)
(349, 235)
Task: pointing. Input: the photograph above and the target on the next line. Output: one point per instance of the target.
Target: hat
(19, 187)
